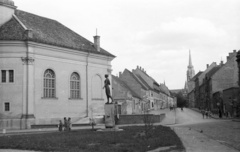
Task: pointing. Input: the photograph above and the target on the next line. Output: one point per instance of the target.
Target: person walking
(203, 113)
(220, 113)
(206, 113)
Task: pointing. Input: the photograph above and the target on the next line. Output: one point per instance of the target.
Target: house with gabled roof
(127, 100)
(47, 70)
(135, 84)
(224, 78)
(152, 85)
(191, 91)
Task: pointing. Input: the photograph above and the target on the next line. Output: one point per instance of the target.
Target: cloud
(182, 33)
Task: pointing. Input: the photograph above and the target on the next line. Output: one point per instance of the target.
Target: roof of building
(143, 81)
(164, 89)
(46, 31)
(195, 77)
(154, 86)
(122, 83)
(212, 71)
(137, 79)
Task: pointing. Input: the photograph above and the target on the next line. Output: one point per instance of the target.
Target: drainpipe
(87, 85)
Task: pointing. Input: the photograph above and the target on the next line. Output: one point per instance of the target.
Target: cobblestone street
(200, 134)
(225, 132)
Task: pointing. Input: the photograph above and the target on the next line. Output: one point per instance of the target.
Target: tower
(190, 71)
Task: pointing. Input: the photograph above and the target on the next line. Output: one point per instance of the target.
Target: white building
(47, 71)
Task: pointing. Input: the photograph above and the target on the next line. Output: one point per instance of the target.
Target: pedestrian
(209, 114)
(220, 113)
(65, 123)
(206, 113)
(182, 108)
(60, 125)
(203, 113)
(69, 124)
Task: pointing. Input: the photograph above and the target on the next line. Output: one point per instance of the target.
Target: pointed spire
(190, 59)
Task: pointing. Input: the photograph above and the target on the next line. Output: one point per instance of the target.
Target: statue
(107, 88)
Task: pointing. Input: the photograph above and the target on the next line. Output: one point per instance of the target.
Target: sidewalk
(194, 141)
(216, 116)
(45, 130)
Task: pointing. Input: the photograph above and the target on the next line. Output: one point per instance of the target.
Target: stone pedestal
(109, 115)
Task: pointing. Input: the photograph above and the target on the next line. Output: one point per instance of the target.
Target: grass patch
(132, 139)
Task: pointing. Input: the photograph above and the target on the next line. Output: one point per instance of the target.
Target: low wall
(15, 123)
(139, 119)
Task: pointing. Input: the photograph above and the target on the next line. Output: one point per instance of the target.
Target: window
(11, 76)
(7, 76)
(7, 106)
(75, 86)
(4, 76)
(49, 87)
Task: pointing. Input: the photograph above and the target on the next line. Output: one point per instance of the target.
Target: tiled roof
(46, 31)
(164, 89)
(194, 78)
(137, 79)
(144, 82)
(126, 86)
(213, 71)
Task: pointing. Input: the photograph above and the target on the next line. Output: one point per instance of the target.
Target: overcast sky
(154, 34)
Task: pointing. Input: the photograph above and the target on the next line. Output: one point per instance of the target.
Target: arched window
(96, 87)
(75, 86)
(49, 86)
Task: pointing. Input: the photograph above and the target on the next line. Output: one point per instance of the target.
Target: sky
(154, 34)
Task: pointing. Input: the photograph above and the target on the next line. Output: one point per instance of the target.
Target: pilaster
(28, 88)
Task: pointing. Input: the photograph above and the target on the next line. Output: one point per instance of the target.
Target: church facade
(47, 71)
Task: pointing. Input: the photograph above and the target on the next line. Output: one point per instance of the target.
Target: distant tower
(190, 71)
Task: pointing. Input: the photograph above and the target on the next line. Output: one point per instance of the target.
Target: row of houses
(136, 92)
(216, 88)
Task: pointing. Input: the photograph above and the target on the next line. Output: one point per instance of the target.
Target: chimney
(120, 74)
(28, 34)
(228, 58)
(221, 63)
(7, 9)
(97, 42)
(234, 51)
(207, 65)
(137, 67)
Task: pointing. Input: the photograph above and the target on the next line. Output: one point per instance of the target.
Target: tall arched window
(49, 86)
(75, 86)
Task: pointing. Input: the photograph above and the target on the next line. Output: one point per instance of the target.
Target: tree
(181, 100)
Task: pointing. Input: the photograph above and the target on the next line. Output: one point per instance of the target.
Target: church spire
(190, 59)
(190, 71)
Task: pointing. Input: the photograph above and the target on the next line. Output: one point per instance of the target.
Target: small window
(4, 76)
(11, 76)
(7, 106)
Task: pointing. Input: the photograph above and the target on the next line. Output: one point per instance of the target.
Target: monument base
(109, 115)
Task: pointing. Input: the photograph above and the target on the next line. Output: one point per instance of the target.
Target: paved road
(205, 135)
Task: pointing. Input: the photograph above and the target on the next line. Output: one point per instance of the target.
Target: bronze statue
(107, 88)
